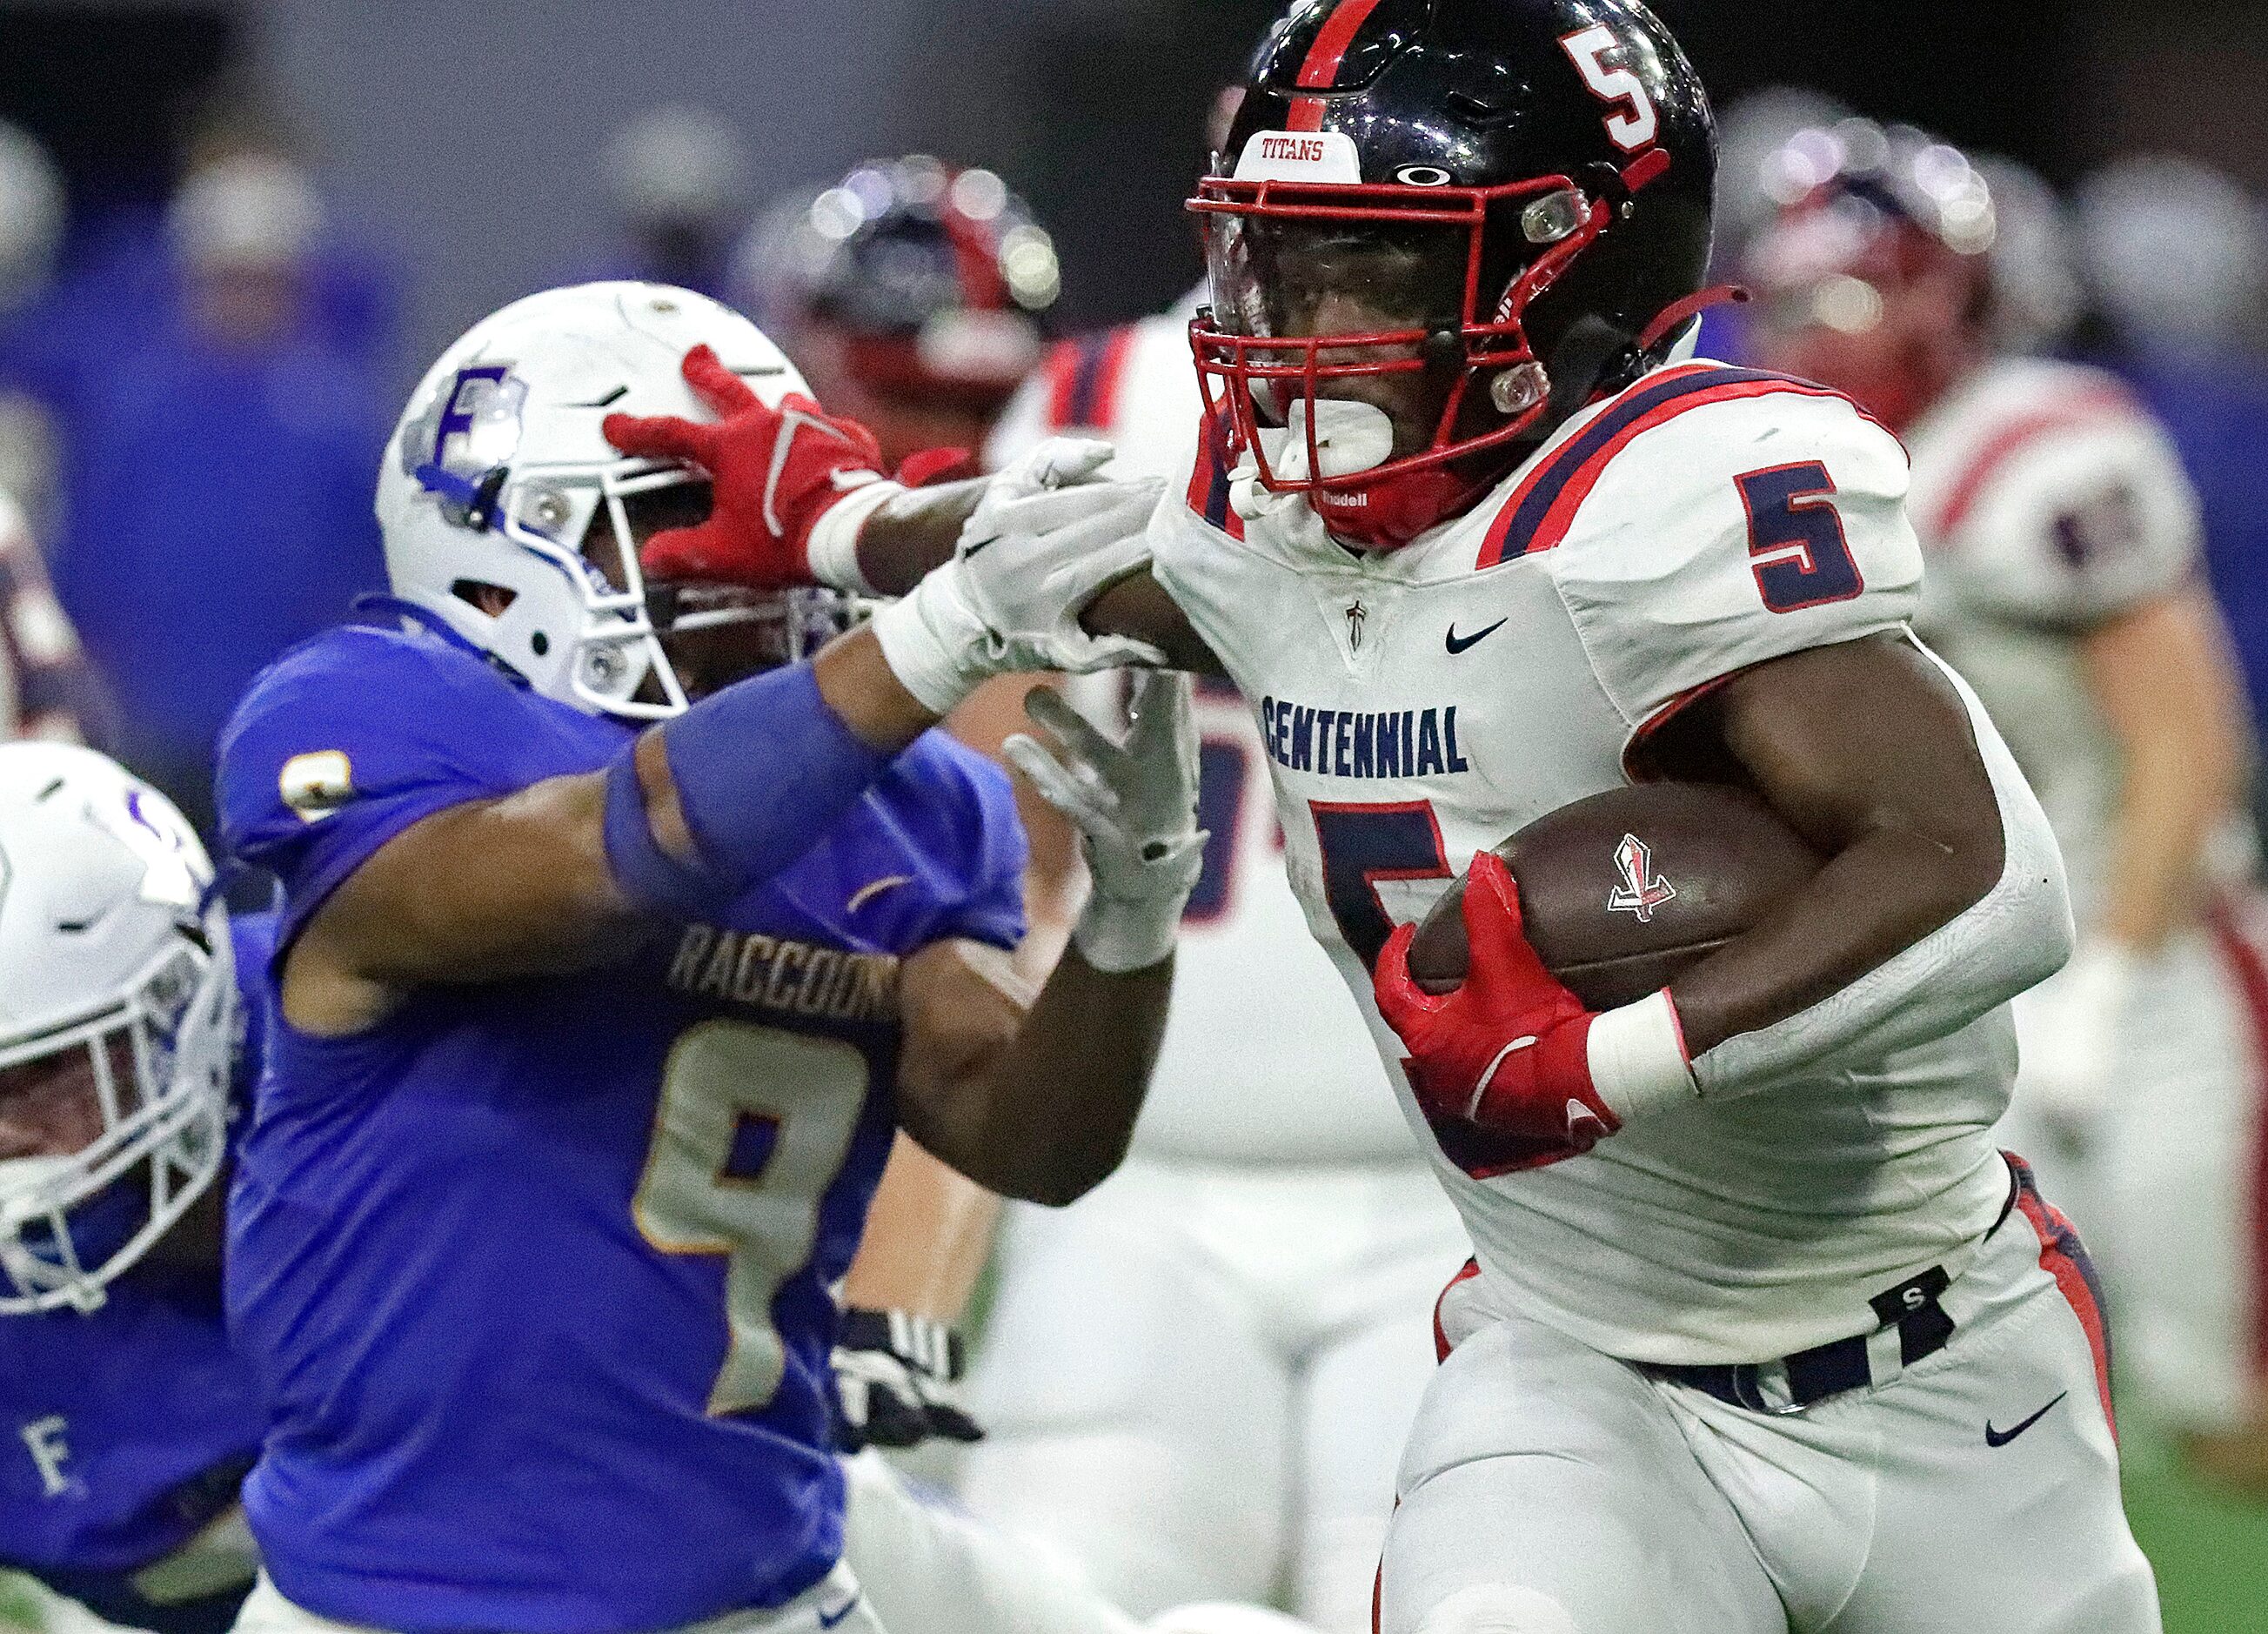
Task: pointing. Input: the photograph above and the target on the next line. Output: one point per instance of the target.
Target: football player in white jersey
(1762, 1333)
(1199, 1381)
(2065, 583)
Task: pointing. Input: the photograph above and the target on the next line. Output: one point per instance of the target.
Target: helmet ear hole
(493, 600)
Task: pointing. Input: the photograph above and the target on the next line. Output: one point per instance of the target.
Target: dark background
(463, 135)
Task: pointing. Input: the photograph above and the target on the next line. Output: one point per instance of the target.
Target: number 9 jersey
(536, 1274)
(1420, 705)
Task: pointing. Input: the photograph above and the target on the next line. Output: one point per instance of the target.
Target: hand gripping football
(1620, 892)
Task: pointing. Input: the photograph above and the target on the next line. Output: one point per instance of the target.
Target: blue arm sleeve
(763, 771)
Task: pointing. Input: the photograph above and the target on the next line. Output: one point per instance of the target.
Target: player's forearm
(913, 533)
(927, 1237)
(2175, 794)
(1881, 896)
(1139, 607)
(1944, 892)
(2167, 689)
(1048, 1117)
(715, 802)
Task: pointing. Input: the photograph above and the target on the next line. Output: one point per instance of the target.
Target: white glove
(1046, 539)
(1135, 805)
(2067, 1031)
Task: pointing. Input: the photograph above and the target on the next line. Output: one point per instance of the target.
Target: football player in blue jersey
(605, 974)
(125, 1422)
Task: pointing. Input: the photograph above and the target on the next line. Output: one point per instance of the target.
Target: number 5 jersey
(1420, 706)
(535, 1275)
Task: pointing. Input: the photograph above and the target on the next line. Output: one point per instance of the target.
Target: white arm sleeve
(2019, 933)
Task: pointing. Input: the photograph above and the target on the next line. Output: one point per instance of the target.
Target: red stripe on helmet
(977, 260)
(1333, 40)
(1325, 57)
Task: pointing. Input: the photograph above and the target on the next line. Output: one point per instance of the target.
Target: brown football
(1622, 891)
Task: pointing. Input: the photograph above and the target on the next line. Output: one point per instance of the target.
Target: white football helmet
(115, 982)
(498, 469)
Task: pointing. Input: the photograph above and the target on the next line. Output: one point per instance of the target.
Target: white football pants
(2170, 1193)
(1197, 1382)
(1552, 1489)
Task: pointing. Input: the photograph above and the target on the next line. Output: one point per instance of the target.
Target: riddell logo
(1291, 150)
(1346, 502)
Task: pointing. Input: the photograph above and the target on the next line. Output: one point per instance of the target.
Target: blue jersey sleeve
(254, 939)
(350, 740)
(993, 911)
(974, 840)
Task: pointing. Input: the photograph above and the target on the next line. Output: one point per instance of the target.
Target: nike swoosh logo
(1465, 643)
(849, 1607)
(1577, 1114)
(866, 894)
(2001, 1437)
(981, 544)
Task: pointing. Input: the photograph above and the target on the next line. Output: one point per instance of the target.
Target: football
(1622, 891)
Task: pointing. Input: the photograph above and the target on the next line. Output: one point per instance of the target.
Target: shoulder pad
(1541, 506)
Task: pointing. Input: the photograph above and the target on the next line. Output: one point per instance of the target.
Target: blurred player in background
(2065, 582)
(677, 184)
(2175, 254)
(501, 934)
(204, 459)
(33, 216)
(914, 297)
(126, 1421)
(47, 687)
(1199, 1381)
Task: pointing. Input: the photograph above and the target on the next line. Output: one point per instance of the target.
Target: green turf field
(2211, 1552)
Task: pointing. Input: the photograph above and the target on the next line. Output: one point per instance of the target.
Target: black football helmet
(1525, 186)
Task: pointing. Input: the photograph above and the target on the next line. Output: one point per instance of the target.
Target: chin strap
(1677, 314)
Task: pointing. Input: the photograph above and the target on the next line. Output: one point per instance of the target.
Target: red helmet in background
(913, 294)
(1875, 275)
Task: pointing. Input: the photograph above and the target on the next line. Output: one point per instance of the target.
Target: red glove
(777, 472)
(1509, 1052)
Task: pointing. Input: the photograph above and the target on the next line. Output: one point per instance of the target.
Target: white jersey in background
(2050, 503)
(1420, 706)
(1197, 1382)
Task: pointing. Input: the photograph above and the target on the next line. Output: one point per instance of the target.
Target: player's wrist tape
(935, 643)
(1118, 938)
(921, 1341)
(1637, 1057)
(1117, 935)
(832, 550)
(762, 771)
